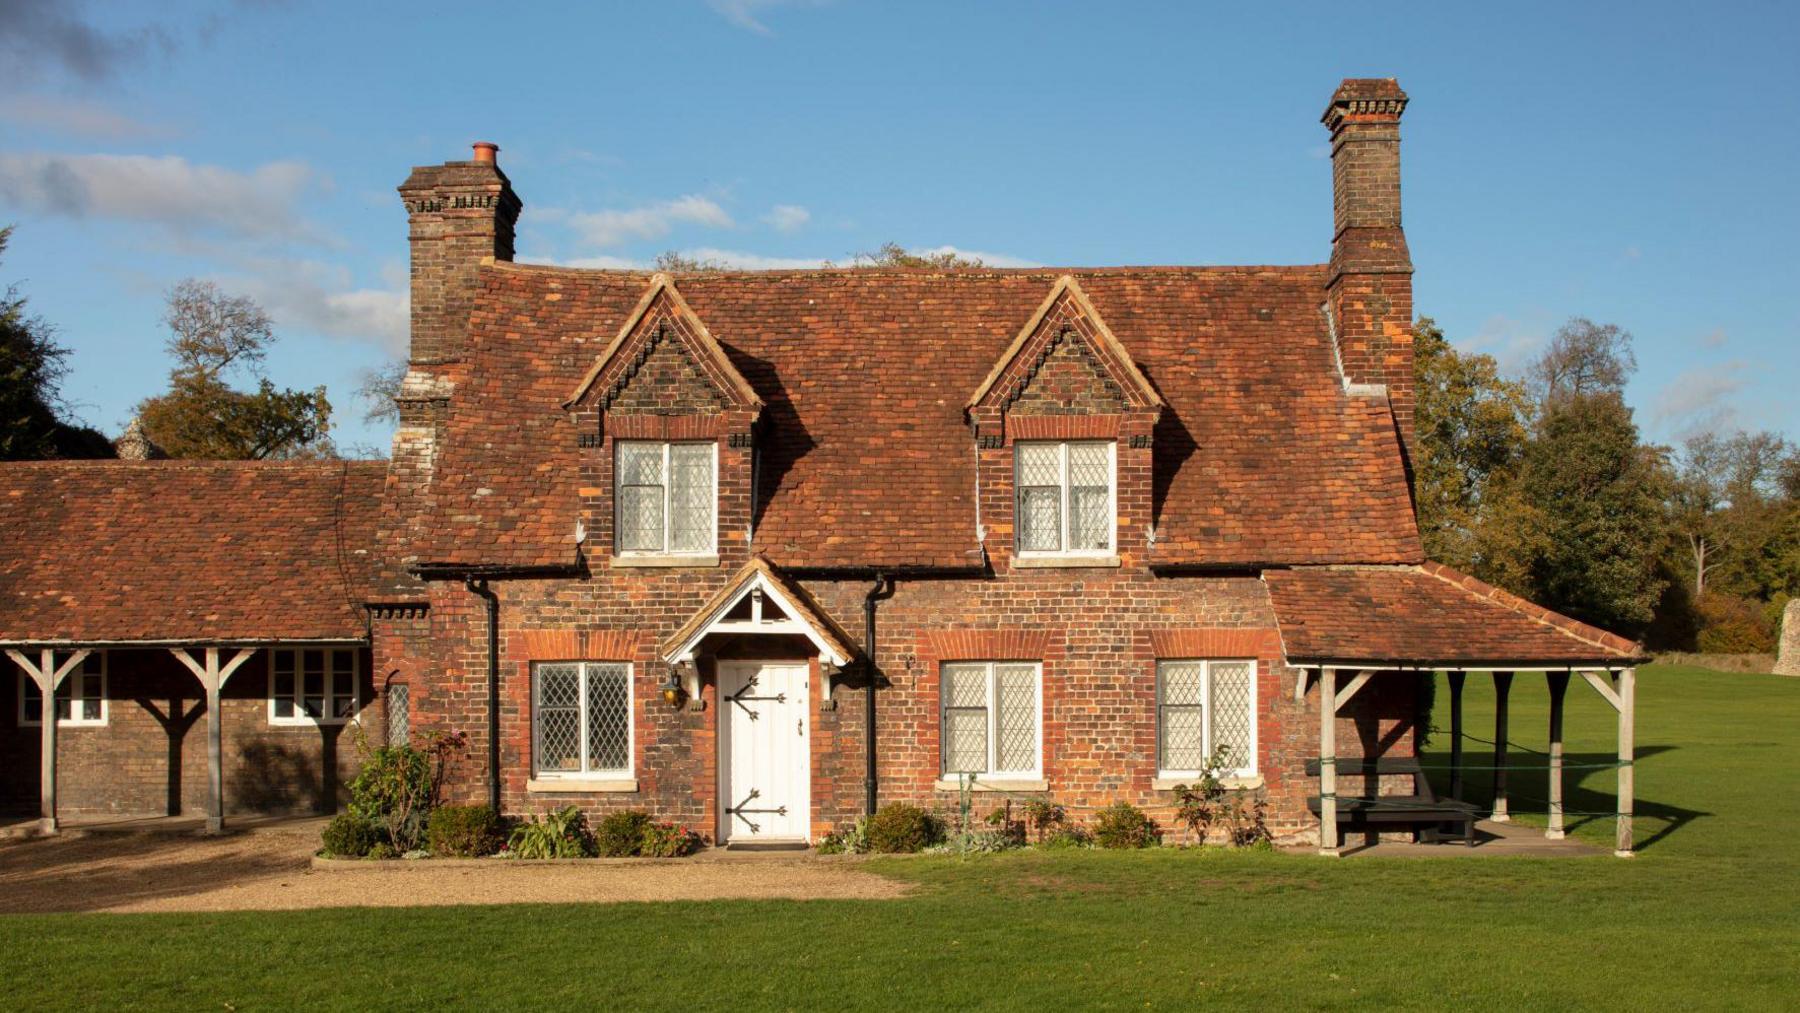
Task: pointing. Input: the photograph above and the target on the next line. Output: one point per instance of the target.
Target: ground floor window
(399, 714)
(80, 698)
(992, 718)
(581, 719)
(312, 685)
(1203, 705)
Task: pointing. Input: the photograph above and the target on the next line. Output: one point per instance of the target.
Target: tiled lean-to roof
(105, 551)
(1261, 457)
(1429, 614)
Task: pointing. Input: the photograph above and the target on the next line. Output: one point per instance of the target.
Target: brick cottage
(759, 551)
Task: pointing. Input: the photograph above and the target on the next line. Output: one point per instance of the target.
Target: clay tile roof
(868, 459)
(110, 551)
(1429, 614)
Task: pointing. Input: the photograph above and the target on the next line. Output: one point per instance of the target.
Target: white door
(764, 786)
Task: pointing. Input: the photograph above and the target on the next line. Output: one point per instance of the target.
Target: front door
(764, 786)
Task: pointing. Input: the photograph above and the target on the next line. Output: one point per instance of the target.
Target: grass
(1706, 916)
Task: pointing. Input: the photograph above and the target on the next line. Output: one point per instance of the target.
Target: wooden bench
(1422, 809)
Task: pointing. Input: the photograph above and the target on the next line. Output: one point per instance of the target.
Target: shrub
(621, 834)
(850, 840)
(562, 834)
(348, 836)
(1046, 817)
(466, 831)
(1067, 836)
(899, 828)
(669, 840)
(397, 785)
(1123, 825)
(1733, 625)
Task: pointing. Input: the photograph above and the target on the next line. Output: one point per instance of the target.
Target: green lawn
(1707, 915)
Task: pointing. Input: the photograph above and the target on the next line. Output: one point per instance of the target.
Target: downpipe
(884, 588)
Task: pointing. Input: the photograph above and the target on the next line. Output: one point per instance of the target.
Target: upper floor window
(312, 685)
(1203, 706)
(80, 697)
(665, 498)
(1065, 501)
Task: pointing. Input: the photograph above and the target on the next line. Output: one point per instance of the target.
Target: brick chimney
(459, 212)
(1370, 288)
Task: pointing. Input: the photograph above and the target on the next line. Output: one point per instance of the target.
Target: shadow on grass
(1590, 787)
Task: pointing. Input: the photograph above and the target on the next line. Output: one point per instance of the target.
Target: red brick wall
(141, 763)
(1098, 633)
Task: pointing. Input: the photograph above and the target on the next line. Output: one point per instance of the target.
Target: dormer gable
(1064, 361)
(664, 361)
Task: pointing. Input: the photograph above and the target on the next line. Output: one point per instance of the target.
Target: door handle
(800, 726)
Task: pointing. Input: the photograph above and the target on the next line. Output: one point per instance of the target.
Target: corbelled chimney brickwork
(1370, 288)
(460, 213)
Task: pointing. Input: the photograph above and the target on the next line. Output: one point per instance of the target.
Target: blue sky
(1636, 164)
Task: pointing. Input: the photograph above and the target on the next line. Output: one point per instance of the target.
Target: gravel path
(270, 869)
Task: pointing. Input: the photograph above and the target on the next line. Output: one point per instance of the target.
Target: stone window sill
(1010, 784)
(1169, 783)
(572, 785)
(695, 562)
(1063, 562)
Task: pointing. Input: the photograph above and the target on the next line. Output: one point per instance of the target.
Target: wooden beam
(1456, 733)
(1357, 682)
(1502, 689)
(1328, 823)
(1559, 686)
(47, 675)
(1623, 845)
(213, 676)
(1598, 681)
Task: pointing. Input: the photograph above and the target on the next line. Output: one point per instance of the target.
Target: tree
(1470, 435)
(680, 263)
(32, 367)
(1583, 358)
(214, 336)
(894, 255)
(380, 392)
(1599, 495)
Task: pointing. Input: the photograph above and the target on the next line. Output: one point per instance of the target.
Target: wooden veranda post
(1623, 842)
(212, 679)
(1328, 823)
(1456, 733)
(1502, 688)
(1559, 685)
(48, 676)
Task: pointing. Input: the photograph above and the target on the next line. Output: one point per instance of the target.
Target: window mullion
(581, 701)
(993, 719)
(1206, 736)
(1068, 500)
(668, 496)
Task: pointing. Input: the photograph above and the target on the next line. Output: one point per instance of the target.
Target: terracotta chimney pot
(485, 151)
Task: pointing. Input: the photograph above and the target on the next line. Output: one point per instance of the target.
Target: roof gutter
(494, 571)
(1473, 665)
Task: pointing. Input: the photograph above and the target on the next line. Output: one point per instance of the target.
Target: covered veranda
(1347, 629)
(207, 564)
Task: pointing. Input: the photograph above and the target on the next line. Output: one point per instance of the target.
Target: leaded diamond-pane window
(80, 697)
(665, 497)
(1065, 497)
(581, 718)
(991, 718)
(1203, 706)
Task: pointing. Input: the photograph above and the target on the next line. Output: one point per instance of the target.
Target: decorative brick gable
(1069, 380)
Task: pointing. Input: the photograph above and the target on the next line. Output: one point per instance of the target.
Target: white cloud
(787, 217)
(600, 261)
(742, 13)
(653, 221)
(1512, 342)
(75, 117)
(1714, 338)
(167, 190)
(1700, 399)
(320, 298)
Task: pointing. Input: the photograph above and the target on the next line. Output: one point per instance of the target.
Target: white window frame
(1068, 495)
(668, 487)
(1206, 715)
(587, 773)
(77, 693)
(1036, 773)
(299, 718)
